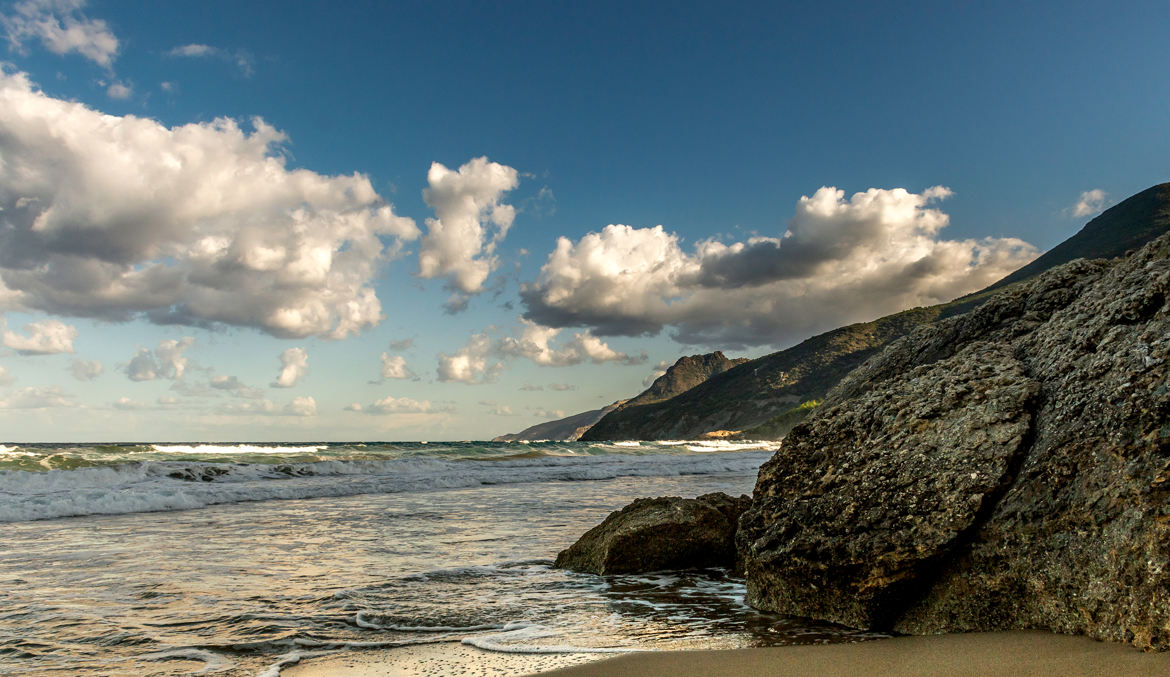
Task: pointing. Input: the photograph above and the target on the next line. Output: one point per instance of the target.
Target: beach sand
(999, 654)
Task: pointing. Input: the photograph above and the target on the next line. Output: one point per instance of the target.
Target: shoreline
(1018, 653)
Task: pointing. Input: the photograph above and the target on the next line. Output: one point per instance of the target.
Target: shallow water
(236, 588)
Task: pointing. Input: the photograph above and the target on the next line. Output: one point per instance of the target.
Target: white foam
(152, 486)
(213, 662)
(6, 449)
(234, 449)
(627, 444)
(517, 638)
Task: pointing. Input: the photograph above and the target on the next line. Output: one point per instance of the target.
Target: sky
(262, 221)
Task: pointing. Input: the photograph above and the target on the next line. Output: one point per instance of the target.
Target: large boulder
(653, 534)
(857, 505)
(893, 507)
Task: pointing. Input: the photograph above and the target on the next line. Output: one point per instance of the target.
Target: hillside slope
(683, 375)
(762, 397)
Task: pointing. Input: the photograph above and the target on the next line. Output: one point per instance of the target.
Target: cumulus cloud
(236, 387)
(300, 406)
(45, 337)
(294, 362)
(533, 343)
(470, 364)
(470, 221)
(841, 260)
(394, 367)
(5, 377)
(61, 27)
(397, 405)
(202, 224)
(37, 397)
(1091, 202)
(127, 404)
(86, 370)
(479, 360)
(241, 58)
(165, 362)
(119, 90)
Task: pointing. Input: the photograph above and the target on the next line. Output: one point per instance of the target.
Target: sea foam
(151, 486)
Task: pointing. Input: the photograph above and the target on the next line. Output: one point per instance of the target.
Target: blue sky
(809, 166)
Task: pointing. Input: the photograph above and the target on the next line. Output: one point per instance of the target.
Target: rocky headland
(1006, 468)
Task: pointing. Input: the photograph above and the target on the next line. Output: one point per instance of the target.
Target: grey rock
(653, 534)
(1067, 527)
(877, 490)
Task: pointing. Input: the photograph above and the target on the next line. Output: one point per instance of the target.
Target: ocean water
(238, 559)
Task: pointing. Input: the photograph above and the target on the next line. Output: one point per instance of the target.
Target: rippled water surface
(406, 549)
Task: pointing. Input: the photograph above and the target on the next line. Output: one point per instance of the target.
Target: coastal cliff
(766, 396)
(1007, 468)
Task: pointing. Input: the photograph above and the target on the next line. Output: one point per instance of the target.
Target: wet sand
(999, 654)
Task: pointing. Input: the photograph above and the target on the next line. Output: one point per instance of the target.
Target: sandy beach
(1006, 654)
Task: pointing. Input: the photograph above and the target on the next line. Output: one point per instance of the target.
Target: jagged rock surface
(1065, 524)
(652, 534)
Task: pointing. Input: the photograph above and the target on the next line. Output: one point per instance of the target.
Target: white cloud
(301, 406)
(477, 361)
(460, 242)
(402, 345)
(37, 397)
(470, 364)
(61, 27)
(5, 377)
(533, 344)
(562, 387)
(236, 387)
(127, 404)
(119, 90)
(1091, 202)
(294, 362)
(167, 86)
(121, 217)
(241, 58)
(86, 370)
(395, 367)
(167, 361)
(45, 337)
(531, 388)
(397, 405)
(840, 261)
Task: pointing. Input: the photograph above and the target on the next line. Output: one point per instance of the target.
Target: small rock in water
(653, 534)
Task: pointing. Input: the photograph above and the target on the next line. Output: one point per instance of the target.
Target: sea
(243, 559)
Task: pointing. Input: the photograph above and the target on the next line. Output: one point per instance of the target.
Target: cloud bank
(202, 224)
(841, 260)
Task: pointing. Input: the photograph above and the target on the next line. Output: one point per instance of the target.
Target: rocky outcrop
(682, 376)
(653, 534)
(1006, 468)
